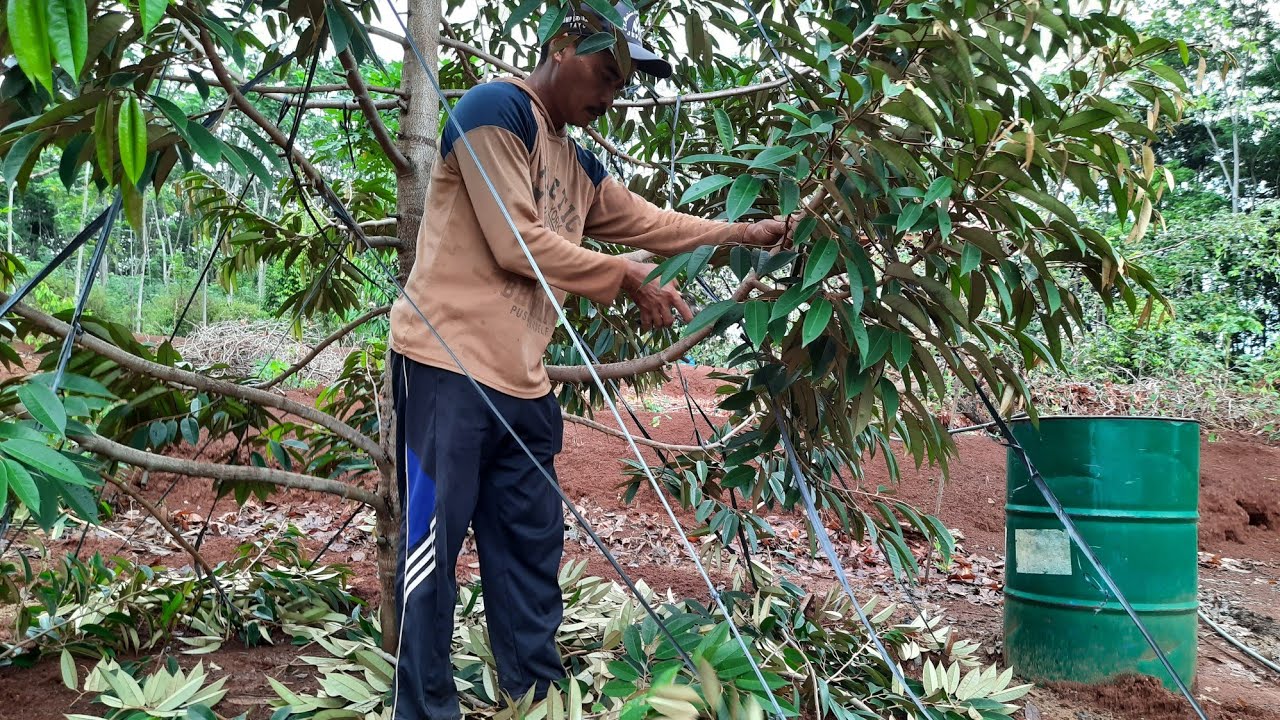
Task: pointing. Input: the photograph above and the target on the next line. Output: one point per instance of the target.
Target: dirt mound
(1239, 496)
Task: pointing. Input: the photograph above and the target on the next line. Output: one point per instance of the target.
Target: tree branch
(683, 449)
(647, 102)
(384, 241)
(379, 128)
(703, 97)
(230, 473)
(617, 151)
(291, 89)
(648, 363)
(319, 348)
(176, 376)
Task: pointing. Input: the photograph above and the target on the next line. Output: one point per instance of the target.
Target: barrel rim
(1042, 418)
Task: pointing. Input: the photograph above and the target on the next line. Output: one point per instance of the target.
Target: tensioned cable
(814, 519)
(577, 341)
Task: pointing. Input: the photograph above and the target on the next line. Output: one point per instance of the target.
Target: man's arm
(622, 217)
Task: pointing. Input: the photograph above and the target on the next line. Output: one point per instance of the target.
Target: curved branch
(291, 89)
(683, 449)
(648, 363)
(501, 64)
(703, 97)
(319, 348)
(380, 133)
(229, 473)
(617, 151)
(176, 376)
(384, 241)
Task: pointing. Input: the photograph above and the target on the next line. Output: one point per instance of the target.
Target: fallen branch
(228, 473)
(184, 378)
(154, 512)
(320, 346)
(367, 106)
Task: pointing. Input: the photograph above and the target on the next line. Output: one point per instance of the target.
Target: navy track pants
(457, 466)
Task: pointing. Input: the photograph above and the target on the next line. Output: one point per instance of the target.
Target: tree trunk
(142, 270)
(419, 127)
(84, 211)
(11, 187)
(262, 283)
(1235, 159)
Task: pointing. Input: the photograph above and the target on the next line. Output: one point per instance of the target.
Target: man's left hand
(775, 232)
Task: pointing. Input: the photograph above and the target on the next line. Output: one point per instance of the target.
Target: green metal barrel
(1132, 487)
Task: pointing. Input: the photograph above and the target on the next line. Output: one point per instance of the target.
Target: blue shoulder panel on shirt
(591, 165)
(498, 104)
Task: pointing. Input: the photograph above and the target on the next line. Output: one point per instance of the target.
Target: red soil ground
(1240, 519)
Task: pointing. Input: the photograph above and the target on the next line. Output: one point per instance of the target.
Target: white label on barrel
(1042, 552)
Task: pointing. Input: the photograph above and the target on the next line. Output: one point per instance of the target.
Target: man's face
(587, 85)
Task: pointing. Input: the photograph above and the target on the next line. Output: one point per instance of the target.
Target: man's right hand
(655, 301)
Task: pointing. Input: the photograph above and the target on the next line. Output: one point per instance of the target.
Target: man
(457, 465)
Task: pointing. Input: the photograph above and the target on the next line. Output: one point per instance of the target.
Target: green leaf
(152, 12)
(878, 346)
(18, 154)
(69, 165)
(520, 14)
(815, 320)
(698, 260)
(724, 129)
(175, 115)
(4, 484)
(202, 87)
(43, 458)
(770, 157)
(550, 23)
(69, 34)
(200, 712)
(742, 196)
(757, 317)
(938, 189)
(704, 187)
(970, 259)
(910, 215)
(204, 143)
(709, 315)
(132, 133)
(22, 484)
(44, 406)
(29, 38)
(607, 10)
(788, 196)
(790, 300)
(597, 42)
(889, 396)
(820, 261)
(901, 350)
(104, 138)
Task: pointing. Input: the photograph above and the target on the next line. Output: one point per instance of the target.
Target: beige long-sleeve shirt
(471, 278)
